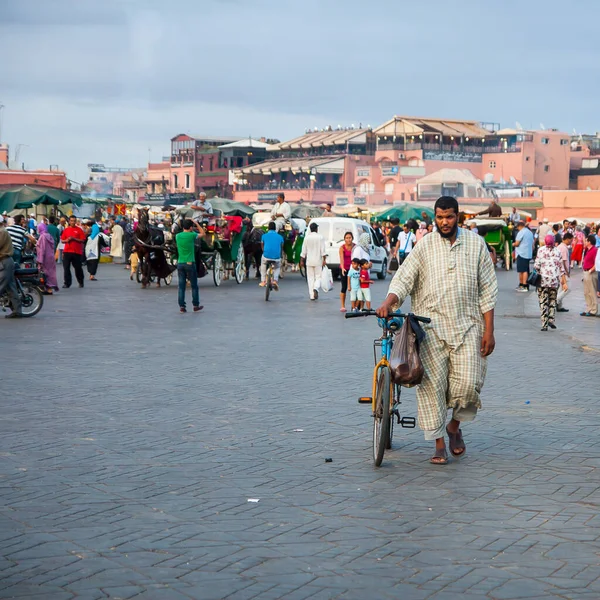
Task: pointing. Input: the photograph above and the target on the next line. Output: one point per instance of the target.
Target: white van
(333, 230)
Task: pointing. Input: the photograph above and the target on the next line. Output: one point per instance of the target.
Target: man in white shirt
(514, 217)
(406, 241)
(281, 212)
(543, 230)
(202, 208)
(563, 248)
(314, 257)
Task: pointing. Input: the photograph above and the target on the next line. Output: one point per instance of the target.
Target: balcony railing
(287, 186)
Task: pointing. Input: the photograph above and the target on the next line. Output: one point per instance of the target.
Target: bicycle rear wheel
(268, 285)
(382, 417)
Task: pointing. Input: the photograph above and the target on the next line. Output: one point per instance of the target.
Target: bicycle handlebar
(372, 313)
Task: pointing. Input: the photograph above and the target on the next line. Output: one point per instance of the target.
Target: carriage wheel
(217, 269)
(240, 265)
(507, 256)
(138, 271)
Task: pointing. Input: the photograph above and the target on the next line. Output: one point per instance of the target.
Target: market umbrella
(405, 211)
(26, 196)
(306, 211)
(224, 206)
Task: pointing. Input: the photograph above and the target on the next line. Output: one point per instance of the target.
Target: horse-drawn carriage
(498, 235)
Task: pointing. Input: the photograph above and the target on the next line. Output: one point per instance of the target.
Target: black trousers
(71, 258)
(92, 266)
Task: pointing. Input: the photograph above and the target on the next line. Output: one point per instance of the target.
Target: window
(527, 159)
(187, 181)
(389, 189)
(175, 182)
(546, 168)
(367, 188)
(210, 162)
(564, 142)
(402, 196)
(545, 141)
(201, 165)
(492, 164)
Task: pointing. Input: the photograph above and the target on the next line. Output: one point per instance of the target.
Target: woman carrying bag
(550, 274)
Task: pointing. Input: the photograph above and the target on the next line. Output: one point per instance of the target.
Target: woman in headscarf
(549, 264)
(45, 257)
(363, 249)
(421, 232)
(92, 251)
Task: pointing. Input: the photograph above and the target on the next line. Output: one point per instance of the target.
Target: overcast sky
(104, 81)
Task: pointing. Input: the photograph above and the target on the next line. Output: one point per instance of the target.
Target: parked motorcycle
(28, 287)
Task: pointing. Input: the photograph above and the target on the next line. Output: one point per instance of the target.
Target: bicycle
(385, 399)
(269, 281)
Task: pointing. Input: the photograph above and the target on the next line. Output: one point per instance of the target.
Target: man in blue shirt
(524, 251)
(272, 244)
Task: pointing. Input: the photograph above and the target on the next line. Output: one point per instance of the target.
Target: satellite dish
(519, 126)
(542, 127)
(502, 181)
(135, 176)
(488, 178)
(588, 188)
(513, 180)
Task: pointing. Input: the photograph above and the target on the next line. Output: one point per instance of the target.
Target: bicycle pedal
(408, 422)
(365, 400)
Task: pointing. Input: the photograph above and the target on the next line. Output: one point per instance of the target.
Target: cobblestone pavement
(133, 438)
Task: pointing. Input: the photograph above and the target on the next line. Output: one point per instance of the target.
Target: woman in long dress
(44, 249)
(92, 251)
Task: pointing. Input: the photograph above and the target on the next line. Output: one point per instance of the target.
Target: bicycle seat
(393, 324)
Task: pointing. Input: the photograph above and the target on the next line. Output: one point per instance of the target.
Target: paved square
(133, 438)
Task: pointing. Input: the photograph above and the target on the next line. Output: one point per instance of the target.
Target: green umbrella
(306, 211)
(26, 196)
(223, 206)
(404, 211)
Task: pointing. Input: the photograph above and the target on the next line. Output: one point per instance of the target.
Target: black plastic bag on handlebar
(405, 362)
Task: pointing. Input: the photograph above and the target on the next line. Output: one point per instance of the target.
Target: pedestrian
(524, 253)
(549, 264)
(314, 258)
(74, 239)
(53, 231)
(353, 278)
(116, 241)
(44, 250)
(543, 230)
(393, 236)
(578, 246)
(272, 246)
(32, 225)
(379, 235)
(62, 225)
(405, 244)
(19, 236)
(345, 263)
(128, 241)
(451, 279)
(7, 271)
(93, 247)
(365, 284)
(590, 278)
(425, 218)
(563, 247)
(328, 212)
(186, 264)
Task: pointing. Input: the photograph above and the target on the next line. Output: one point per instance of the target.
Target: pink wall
(591, 181)
(54, 179)
(553, 155)
(559, 204)
(313, 196)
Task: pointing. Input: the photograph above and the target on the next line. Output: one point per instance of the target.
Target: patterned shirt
(549, 264)
(17, 235)
(454, 285)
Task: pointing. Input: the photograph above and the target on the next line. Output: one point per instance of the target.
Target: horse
(149, 243)
(252, 244)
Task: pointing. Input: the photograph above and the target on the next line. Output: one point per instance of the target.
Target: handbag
(326, 279)
(534, 279)
(393, 266)
(405, 362)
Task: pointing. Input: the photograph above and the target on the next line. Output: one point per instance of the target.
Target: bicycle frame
(385, 342)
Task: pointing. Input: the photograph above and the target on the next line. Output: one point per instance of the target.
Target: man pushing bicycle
(451, 279)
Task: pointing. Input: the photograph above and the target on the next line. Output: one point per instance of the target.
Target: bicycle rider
(272, 246)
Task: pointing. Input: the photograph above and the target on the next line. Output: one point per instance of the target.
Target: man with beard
(451, 279)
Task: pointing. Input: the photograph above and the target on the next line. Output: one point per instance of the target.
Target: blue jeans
(187, 272)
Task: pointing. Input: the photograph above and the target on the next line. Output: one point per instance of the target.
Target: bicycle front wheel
(382, 416)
